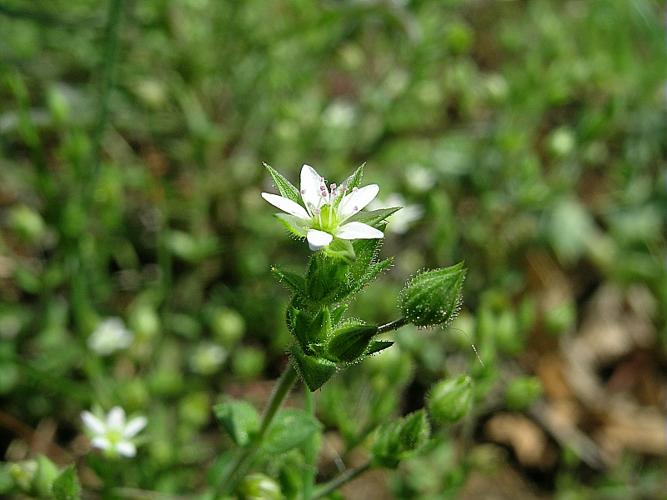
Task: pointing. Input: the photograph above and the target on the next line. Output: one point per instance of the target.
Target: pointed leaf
(378, 346)
(374, 217)
(284, 187)
(354, 181)
(292, 281)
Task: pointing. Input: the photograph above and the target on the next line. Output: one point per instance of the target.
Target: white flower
(419, 178)
(113, 434)
(404, 218)
(326, 210)
(109, 336)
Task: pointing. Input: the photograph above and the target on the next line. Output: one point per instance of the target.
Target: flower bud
(523, 392)
(350, 341)
(259, 487)
(400, 439)
(433, 297)
(313, 370)
(451, 399)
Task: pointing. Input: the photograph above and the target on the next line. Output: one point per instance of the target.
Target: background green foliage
(527, 130)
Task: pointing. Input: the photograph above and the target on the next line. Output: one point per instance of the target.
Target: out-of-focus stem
(244, 459)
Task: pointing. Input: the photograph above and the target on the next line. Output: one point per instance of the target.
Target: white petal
(126, 448)
(358, 231)
(357, 200)
(101, 442)
(134, 426)
(286, 205)
(318, 239)
(94, 424)
(311, 182)
(116, 418)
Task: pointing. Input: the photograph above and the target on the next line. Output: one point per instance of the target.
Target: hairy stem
(347, 476)
(310, 450)
(394, 325)
(243, 460)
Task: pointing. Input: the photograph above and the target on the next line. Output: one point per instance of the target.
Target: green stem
(110, 57)
(394, 325)
(244, 459)
(347, 476)
(310, 450)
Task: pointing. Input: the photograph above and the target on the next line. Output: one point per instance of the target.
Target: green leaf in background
(290, 429)
(350, 341)
(398, 440)
(66, 486)
(259, 486)
(239, 418)
(449, 400)
(314, 371)
(285, 187)
(45, 474)
(523, 392)
(433, 297)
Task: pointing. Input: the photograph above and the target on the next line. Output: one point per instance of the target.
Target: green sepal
(377, 346)
(311, 330)
(350, 341)
(337, 314)
(340, 249)
(239, 418)
(450, 399)
(325, 277)
(298, 227)
(354, 181)
(291, 428)
(294, 282)
(433, 297)
(285, 187)
(313, 370)
(66, 486)
(374, 217)
(398, 440)
(356, 285)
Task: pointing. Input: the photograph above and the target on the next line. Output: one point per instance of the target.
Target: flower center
(114, 437)
(326, 219)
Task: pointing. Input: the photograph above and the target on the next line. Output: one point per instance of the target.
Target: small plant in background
(346, 243)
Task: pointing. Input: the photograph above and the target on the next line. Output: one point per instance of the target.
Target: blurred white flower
(327, 209)
(113, 434)
(339, 114)
(419, 178)
(109, 336)
(401, 221)
(207, 358)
